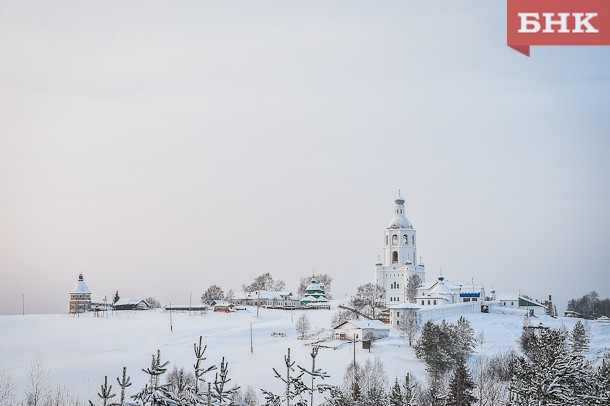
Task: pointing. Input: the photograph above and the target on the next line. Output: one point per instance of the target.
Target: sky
(161, 147)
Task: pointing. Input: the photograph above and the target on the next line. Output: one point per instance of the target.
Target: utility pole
(251, 344)
(171, 326)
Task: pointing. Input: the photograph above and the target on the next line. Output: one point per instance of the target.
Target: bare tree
(154, 303)
(410, 324)
(38, 387)
(214, 292)
(303, 326)
(7, 389)
(264, 282)
(368, 299)
(413, 283)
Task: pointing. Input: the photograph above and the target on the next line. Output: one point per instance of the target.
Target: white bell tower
(399, 256)
(399, 238)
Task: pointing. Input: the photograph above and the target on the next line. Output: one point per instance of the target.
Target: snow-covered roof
(399, 220)
(470, 288)
(365, 324)
(507, 297)
(405, 305)
(309, 298)
(81, 287)
(123, 302)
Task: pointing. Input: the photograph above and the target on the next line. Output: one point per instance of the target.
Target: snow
(81, 349)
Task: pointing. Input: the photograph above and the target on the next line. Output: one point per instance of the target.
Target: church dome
(400, 222)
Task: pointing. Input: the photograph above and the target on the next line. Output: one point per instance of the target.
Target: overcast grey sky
(159, 147)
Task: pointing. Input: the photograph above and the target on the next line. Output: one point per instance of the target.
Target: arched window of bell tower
(394, 239)
(413, 240)
(394, 257)
(405, 239)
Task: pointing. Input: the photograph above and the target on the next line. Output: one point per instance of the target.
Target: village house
(222, 306)
(358, 330)
(131, 304)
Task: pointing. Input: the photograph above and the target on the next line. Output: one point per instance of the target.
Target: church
(399, 256)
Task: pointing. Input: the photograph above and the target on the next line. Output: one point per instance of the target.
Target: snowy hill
(79, 351)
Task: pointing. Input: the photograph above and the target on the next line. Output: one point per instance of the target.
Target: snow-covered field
(79, 351)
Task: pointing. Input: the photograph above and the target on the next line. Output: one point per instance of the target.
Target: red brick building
(80, 297)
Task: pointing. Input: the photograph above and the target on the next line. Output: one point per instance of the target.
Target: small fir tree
(461, 386)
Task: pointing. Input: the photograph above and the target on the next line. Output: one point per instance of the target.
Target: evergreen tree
(461, 386)
(551, 374)
(408, 390)
(396, 397)
(294, 386)
(124, 383)
(220, 394)
(315, 373)
(436, 347)
(105, 393)
(465, 337)
(579, 340)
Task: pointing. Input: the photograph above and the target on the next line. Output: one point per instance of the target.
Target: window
(428, 301)
(395, 256)
(405, 239)
(422, 302)
(397, 322)
(413, 240)
(434, 302)
(394, 239)
(397, 314)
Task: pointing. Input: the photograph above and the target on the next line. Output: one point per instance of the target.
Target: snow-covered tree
(105, 393)
(368, 299)
(220, 393)
(293, 386)
(410, 324)
(579, 340)
(250, 397)
(465, 337)
(38, 386)
(396, 397)
(352, 381)
(315, 373)
(341, 316)
(461, 386)
(180, 381)
(302, 326)
(264, 282)
(374, 382)
(436, 346)
(7, 389)
(550, 374)
(489, 388)
(413, 282)
(154, 303)
(124, 382)
(199, 369)
(214, 292)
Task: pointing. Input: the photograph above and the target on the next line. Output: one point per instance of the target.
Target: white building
(399, 257)
(443, 292)
(357, 330)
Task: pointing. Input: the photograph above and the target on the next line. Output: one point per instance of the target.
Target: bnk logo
(557, 22)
